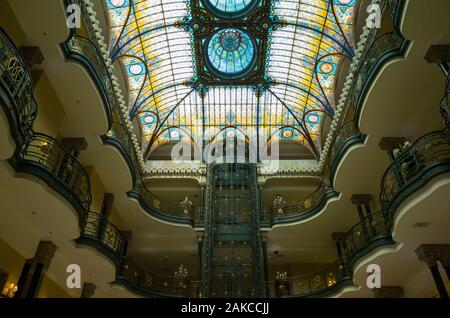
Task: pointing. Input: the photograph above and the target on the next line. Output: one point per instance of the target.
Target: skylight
(262, 69)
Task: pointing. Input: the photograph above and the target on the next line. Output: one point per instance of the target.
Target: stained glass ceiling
(201, 69)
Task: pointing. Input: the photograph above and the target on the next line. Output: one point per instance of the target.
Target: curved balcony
(173, 212)
(47, 159)
(82, 47)
(16, 90)
(381, 49)
(347, 136)
(98, 232)
(428, 157)
(320, 284)
(366, 236)
(149, 284)
(301, 209)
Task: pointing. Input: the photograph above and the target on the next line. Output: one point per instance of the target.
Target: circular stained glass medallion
(230, 53)
(230, 9)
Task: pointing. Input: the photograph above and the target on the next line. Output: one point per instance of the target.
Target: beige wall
(10, 24)
(50, 111)
(11, 262)
(49, 289)
(98, 191)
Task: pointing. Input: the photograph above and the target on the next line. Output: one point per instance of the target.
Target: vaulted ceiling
(199, 70)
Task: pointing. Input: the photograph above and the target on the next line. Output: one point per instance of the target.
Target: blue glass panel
(231, 52)
(231, 6)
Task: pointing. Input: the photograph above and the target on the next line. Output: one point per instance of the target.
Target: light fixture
(11, 290)
(180, 275)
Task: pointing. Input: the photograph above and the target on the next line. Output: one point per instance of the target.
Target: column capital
(45, 252)
(32, 54)
(88, 290)
(74, 144)
(438, 54)
(389, 292)
(361, 199)
(391, 143)
(431, 253)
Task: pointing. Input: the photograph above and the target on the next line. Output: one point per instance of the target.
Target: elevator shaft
(232, 257)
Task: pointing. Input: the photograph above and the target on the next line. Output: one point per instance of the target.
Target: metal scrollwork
(14, 68)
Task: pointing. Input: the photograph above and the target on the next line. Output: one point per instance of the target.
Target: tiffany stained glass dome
(161, 45)
(231, 52)
(230, 8)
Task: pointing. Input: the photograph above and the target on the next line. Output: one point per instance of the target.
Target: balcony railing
(46, 158)
(98, 232)
(16, 90)
(319, 284)
(301, 209)
(445, 104)
(426, 158)
(347, 136)
(173, 211)
(379, 49)
(365, 236)
(149, 284)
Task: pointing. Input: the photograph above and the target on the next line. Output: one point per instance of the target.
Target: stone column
(34, 269)
(390, 144)
(339, 239)
(431, 254)
(107, 204)
(440, 55)
(361, 200)
(127, 236)
(388, 292)
(88, 290)
(108, 200)
(75, 145)
(33, 56)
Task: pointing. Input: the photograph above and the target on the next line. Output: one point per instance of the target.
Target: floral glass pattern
(303, 61)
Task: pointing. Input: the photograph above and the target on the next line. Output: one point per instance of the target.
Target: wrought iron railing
(165, 209)
(86, 46)
(368, 234)
(97, 231)
(56, 165)
(153, 285)
(347, 132)
(378, 49)
(427, 157)
(319, 284)
(16, 89)
(300, 209)
(381, 47)
(445, 104)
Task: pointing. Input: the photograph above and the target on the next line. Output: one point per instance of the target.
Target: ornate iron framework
(204, 22)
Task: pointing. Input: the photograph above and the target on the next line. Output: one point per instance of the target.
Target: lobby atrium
(224, 149)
